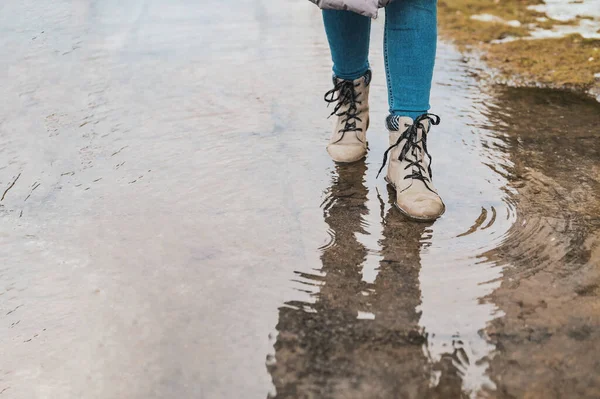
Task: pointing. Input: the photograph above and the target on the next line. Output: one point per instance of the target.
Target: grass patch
(557, 62)
(455, 19)
(570, 61)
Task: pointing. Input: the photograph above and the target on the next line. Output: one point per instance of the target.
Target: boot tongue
(420, 153)
(421, 132)
(415, 151)
(425, 129)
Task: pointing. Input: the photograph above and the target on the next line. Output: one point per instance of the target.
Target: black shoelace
(345, 94)
(411, 147)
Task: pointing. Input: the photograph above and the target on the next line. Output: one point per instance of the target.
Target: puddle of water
(172, 196)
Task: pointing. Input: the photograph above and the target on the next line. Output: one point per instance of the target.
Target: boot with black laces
(409, 168)
(348, 141)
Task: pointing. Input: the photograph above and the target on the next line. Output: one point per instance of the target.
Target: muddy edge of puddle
(547, 339)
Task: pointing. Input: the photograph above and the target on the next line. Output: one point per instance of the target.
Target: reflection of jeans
(409, 50)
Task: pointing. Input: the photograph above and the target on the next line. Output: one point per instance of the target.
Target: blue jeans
(409, 50)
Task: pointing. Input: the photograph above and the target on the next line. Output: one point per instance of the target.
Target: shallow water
(175, 220)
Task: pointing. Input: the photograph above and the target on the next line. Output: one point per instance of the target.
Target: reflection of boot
(397, 285)
(409, 167)
(401, 249)
(348, 141)
(344, 209)
(315, 348)
(395, 298)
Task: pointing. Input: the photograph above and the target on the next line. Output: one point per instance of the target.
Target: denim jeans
(409, 46)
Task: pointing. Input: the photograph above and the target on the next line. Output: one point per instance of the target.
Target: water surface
(176, 228)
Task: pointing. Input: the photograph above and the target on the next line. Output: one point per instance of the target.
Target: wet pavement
(172, 227)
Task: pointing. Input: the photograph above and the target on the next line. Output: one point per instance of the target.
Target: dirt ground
(524, 46)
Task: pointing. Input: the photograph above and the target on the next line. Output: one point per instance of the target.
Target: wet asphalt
(171, 225)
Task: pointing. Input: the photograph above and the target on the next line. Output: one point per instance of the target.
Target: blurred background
(551, 43)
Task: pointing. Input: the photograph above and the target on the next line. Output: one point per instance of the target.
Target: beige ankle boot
(409, 168)
(348, 142)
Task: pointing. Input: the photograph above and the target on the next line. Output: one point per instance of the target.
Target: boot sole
(353, 160)
(408, 215)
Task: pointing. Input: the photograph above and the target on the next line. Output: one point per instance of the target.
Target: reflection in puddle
(360, 338)
(411, 331)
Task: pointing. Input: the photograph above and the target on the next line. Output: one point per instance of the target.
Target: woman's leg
(409, 49)
(410, 45)
(348, 35)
